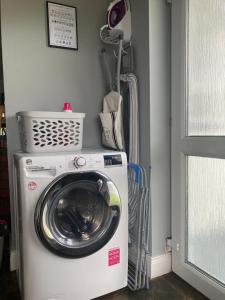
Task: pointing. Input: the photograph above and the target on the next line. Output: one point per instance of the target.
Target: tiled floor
(168, 287)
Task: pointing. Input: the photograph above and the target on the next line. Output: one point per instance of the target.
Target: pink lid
(67, 106)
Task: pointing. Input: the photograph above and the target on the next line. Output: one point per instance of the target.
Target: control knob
(79, 161)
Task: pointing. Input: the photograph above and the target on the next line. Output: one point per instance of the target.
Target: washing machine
(71, 220)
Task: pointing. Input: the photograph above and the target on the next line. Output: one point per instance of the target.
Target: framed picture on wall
(62, 26)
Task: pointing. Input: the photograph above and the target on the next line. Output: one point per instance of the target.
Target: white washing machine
(72, 224)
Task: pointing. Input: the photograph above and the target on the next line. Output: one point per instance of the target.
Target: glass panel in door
(206, 215)
(206, 68)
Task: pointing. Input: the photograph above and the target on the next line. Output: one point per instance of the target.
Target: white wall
(37, 77)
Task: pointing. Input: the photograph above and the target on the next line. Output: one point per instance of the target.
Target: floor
(168, 287)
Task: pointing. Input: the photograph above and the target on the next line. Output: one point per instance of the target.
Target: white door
(198, 144)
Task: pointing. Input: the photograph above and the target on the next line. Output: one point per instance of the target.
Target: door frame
(182, 146)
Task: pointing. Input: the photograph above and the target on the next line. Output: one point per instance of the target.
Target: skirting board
(161, 265)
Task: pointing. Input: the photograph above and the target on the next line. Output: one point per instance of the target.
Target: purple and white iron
(118, 23)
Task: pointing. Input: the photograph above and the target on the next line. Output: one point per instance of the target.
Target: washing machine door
(78, 214)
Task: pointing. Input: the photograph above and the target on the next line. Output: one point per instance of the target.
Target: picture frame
(62, 26)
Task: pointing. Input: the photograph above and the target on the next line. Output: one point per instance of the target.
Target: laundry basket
(42, 131)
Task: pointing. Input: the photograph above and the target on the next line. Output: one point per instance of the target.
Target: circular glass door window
(78, 214)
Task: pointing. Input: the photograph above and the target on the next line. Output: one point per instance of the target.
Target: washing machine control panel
(112, 160)
(79, 161)
(93, 161)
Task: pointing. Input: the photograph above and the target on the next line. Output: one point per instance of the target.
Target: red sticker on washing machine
(32, 185)
(114, 256)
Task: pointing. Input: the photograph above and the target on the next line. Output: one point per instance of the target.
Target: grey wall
(37, 77)
(151, 40)
(160, 97)
(41, 78)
